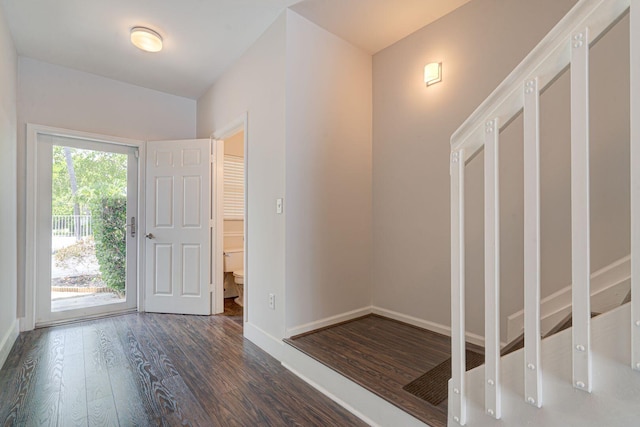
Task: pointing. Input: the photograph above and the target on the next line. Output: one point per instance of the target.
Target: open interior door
(178, 211)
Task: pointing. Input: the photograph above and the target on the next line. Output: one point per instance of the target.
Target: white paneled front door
(178, 234)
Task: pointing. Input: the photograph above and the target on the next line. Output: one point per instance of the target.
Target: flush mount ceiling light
(146, 39)
(433, 73)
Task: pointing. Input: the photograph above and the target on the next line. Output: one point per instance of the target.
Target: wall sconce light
(146, 39)
(433, 73)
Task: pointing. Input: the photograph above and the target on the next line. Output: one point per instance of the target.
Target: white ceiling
(373, 25)
(201, 37)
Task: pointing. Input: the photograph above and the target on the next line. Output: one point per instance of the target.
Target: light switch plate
(279, 206)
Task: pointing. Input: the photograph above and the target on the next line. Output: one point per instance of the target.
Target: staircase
(616, 388)
(588, 374)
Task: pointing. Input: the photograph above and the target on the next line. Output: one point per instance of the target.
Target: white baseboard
(265, 341)
(425, 324)
(328, 321)
(609, 286)
(415, 321)
(356, 399)
(8, 338)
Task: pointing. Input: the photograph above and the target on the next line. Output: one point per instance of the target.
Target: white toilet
(234, 263)
(238, 278)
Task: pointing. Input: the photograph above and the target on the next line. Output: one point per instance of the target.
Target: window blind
(233, 187)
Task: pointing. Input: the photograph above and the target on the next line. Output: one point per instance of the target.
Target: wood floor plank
(129, 406)
(280, 392)
(145, 378)
(73, 339)
(259, 380)
(209, 389)
(73, 391)
(243, 402)
(98, 384)
(112, 363)
(102, 412)
(9, 385)
(48, 381)
(26, 342)
(100, 347)
(158, 376)
(382, 355)
(21, 367)
(152, 349)
(152, 370)
(192, 412)
(15, 408)
(190, 360)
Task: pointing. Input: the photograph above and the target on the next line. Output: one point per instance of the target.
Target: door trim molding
(27, 323)
(241, 123)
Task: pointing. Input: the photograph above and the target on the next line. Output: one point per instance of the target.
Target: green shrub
(109, 219)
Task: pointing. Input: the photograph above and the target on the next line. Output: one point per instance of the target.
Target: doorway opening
(231, 212)
(82, 209)
(233, 240)
(88, 227)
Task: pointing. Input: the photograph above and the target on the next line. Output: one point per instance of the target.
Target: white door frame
(27, 323)
(239, 124)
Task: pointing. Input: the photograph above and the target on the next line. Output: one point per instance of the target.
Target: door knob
(150, 236)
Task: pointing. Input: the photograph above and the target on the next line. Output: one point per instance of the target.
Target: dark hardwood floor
(152, 370)
(382, 355)
(233, 310)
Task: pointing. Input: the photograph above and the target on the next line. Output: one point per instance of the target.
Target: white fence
(78, 226)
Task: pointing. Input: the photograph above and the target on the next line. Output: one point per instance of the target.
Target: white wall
(61, 97)
(234, 145)
(256, 84)
(328, 174)
(8, 261)
(57, 96)
(610, 218)
(479, 44)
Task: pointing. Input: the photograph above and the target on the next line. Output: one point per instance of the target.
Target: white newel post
(492, 385)
(532, 366)
(580, 222)
(457, 395)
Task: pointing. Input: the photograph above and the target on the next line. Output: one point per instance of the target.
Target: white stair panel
(615, 397)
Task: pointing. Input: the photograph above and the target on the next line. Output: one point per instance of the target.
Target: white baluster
(532, 368)
(492, 399)
(580, 223)
(457, 399)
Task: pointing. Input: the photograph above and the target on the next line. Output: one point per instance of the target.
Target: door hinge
(136, 153)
